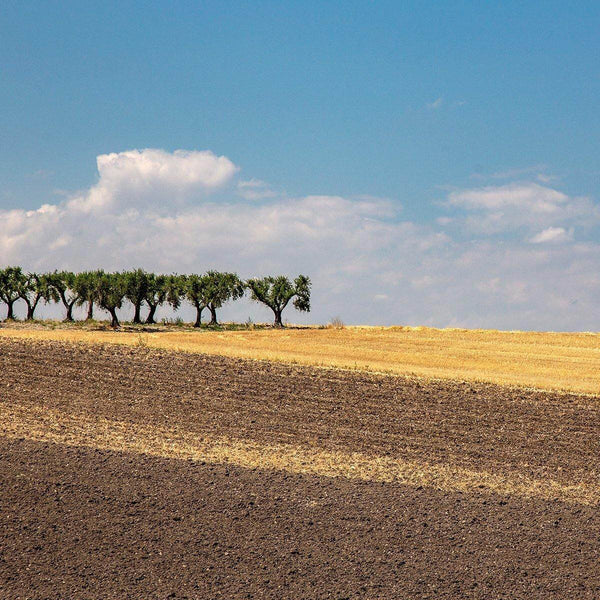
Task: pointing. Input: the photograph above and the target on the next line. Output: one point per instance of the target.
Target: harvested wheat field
(135, 472)
(545, 360)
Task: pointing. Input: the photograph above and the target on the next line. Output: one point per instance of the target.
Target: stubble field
(137, 472)
(546, 360)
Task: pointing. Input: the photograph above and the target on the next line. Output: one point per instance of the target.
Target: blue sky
(407, 104)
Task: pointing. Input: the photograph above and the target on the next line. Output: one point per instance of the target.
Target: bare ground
(79, 522)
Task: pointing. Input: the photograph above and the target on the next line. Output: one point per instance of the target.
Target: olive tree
(161, 289)
(36, 287)
(63, 285)
(137, 289)
(276, 293)
(195, 293)
(221, 288)
(13, 283)
(86, 285)
(110, 293)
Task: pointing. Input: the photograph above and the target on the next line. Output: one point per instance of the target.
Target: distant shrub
(335, 323)
(178, 321)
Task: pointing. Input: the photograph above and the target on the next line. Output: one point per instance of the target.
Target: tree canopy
(276, 293)
(220, 288)
(13, 284)
(108, 291)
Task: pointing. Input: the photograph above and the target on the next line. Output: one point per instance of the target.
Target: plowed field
(139, 473)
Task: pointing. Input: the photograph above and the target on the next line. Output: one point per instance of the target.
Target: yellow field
(563, 361)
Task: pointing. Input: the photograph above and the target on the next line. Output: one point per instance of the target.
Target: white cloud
(552, 234)
(524, 196)
(183, 212)
(529, 205)
(181, 169)
(152, 177)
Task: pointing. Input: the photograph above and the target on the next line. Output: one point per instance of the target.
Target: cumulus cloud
(186, 212)
(521, 205)
(149, 178)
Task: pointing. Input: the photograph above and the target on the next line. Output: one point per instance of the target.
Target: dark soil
(78, 523)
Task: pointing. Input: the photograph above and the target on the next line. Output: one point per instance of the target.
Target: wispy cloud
(552, 235)
(537, 172)
(255, 189)
(42, 174)
(435, 104)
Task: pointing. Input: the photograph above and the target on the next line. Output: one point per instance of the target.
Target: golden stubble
(550, 361)
(42, 424)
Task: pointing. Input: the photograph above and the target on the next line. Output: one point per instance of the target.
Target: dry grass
(558, 361)
(47, 425)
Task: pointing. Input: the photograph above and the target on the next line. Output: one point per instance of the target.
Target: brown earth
(85, 522)
(82, 523)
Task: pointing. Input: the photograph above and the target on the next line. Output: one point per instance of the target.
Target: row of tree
(109, 291)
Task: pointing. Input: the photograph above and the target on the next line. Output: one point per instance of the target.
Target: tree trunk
(199, 310)
(136, 317)
(90, 313)
(115, 320)
(150, 318)
(10, 314)
(69, 308)
(31, 306)
(213, 315)
(277, 322)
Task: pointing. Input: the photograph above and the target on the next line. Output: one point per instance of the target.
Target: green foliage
(175, 289)
(109, 290)
(136, 290)
(219, 289)
(276, 293)
(161, 289)
(110, 293)
(36, 288)
(62, 284)
(13, 284)
(195, 291)
(86, 288)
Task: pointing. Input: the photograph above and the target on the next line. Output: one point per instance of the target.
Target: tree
(276, 292)
(63, 283)
(220, 288)
(155, 294)
(161, 289)
(86, 285)
(36, 287)
(110, 293)
(175, 286)
(195, 292)
(12, 284)
(137, 289)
